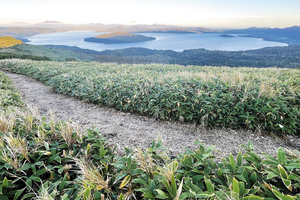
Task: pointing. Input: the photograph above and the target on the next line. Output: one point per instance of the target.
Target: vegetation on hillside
(8, 42)
(281, 57)
(42, 159)
(24, 56)
(36, 52)
(248, 98)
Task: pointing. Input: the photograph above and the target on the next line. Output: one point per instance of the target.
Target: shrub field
(250, 98)
(51, 159)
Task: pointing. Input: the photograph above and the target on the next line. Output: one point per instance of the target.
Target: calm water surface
(164, 41)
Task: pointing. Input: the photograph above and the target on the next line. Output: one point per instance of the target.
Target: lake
(164, 41)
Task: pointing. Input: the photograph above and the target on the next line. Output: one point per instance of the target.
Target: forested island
(226, 35)
(119, 37)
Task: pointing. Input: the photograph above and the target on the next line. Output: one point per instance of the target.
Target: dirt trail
(129, 130)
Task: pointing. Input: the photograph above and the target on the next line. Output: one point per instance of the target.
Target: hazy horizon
(201, 13)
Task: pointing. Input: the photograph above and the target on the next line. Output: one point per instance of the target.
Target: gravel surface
(130, 130)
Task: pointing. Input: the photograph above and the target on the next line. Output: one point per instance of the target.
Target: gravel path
(129, 130)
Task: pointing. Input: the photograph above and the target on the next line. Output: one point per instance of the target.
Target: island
(226, 35)
(119, 37)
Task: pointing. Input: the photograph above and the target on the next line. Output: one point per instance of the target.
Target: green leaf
(140, 181)
(272, 175)
(282, 172)
(129, 160)
(232, 162)
(137, 171)
(8, 166)
(29, 195)
(282, 196)
(33, 168)
(62, 184)
(288, 184)
(294, 177)
(35, 178)
(97, 196)
(5, 183)
(66, 197)
(184, 195)
(205, 195)
(173, 186)
(239, 159)
(281, 156)
(161, 194)
(18, 193)
(25, 167)
(235, 186)
(269, 162)
(87, 194)
(252, 197)
(40, 172)
(209, 185)
(46, 145)
(292, 166)
(28, 184)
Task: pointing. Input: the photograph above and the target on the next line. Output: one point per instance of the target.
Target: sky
(200, 13)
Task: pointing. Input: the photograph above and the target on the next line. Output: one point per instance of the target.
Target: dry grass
(91, 177)
(70, 132)
(145, 162)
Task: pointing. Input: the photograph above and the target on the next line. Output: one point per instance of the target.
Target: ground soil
(130, 130)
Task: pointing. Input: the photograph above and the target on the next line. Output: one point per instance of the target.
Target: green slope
(53, 54)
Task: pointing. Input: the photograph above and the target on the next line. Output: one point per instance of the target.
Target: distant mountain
(119, 37)
(20, 32)
(50, 22)
(20, 23)
(290, 35)
(159, 29)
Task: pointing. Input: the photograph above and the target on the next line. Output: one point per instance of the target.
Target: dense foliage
(265, 99)
(23, 56)
(50, 159)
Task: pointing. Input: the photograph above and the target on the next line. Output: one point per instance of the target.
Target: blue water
(164, 41)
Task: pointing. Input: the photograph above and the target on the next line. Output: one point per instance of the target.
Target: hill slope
(8, 42)
(53, 54)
